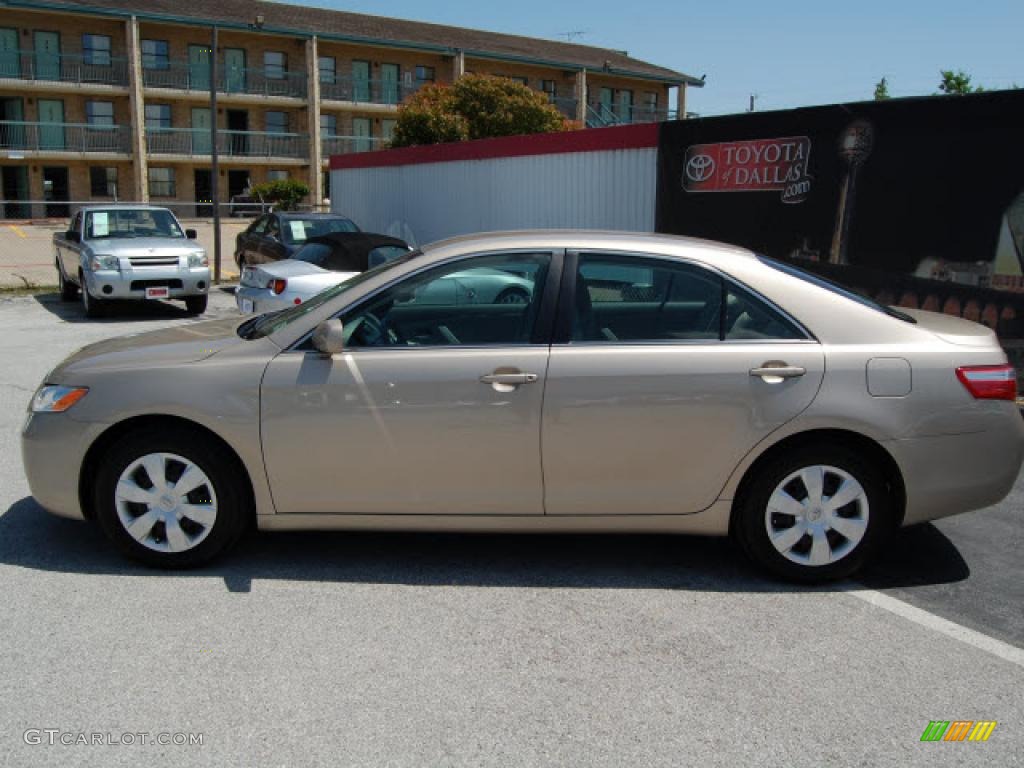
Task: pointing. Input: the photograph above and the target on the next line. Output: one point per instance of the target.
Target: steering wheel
(370, 331)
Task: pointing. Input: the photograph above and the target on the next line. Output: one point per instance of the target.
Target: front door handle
(509, 379)
(773, 372)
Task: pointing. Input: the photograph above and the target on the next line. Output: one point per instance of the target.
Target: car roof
(584, 239)
(310, 215)
(122, 207)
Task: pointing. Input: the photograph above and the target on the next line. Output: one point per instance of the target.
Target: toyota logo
(700, 168)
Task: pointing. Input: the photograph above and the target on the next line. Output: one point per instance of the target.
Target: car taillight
(277, 286)
(989, 382)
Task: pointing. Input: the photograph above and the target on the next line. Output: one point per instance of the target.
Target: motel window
(96, 49)
(158, 116)
(99, 112)
(328, 69)
(277, 122)
(155, 54)
(520, 80)
(277, 175)
(424, 74)
(161, 182)
(103, 182)
(387, 129)
(550, 88)
(328, 125)
(275, 65)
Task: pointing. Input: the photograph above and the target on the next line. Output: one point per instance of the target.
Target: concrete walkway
(26, 250)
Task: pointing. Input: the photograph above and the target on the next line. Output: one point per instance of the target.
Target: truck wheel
(93, 307)
(196, 305)
(68, 291)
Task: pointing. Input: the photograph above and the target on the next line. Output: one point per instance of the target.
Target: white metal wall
(421, 203)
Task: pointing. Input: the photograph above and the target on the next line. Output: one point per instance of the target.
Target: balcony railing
(345, 145)
(184, 76)
(564, 104)
(63, 67)
(365, 90)
(197, 141)
(64, 137)
(602, 115)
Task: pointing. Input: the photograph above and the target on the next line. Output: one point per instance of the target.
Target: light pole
(214, 183)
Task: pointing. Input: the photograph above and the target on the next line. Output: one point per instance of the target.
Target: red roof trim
(642, 136)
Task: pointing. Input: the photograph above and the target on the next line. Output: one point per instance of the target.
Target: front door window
(484, 301)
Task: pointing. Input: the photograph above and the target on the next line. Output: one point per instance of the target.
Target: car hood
(145, 247)
(179, 345)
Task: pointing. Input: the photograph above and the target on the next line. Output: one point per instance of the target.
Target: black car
(278, 235)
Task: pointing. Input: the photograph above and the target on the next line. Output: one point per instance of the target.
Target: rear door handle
(778, 372)
(510, 379)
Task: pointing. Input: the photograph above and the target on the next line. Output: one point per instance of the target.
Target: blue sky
(790, 52)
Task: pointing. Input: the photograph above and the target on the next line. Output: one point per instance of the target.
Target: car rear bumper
(132, 284)
(52, 449)
(262, 300)
(948, 474)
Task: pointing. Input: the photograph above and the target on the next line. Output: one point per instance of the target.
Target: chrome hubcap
(817, 515)
(165, 502)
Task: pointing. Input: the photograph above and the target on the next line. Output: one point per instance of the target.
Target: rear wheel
(68, 291)
(815, 514)
(93, 307)
(196, 305)
(169, 499)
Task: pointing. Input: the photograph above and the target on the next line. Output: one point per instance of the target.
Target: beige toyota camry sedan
(643, 383)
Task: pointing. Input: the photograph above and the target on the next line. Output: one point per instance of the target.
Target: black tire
(219, 465)
(196, 305)
(68, 291)
(94, 308)
(751, 521)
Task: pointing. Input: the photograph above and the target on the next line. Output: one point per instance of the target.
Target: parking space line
(17, 231)
(943, 626)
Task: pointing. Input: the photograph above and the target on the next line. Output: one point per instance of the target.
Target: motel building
(110, 99)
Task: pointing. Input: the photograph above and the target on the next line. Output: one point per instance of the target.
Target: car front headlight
(104, 261)
(198, 259)
(52, 398)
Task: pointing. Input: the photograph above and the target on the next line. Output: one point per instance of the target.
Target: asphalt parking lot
(412, 650)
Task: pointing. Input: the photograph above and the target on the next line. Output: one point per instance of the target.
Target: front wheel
(816, 514)
(93, 307)
(68, 291)
(196, 305)
(170, 498)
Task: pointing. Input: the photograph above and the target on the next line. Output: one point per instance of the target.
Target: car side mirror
(329, 337)
(72, 236)
(191, 234)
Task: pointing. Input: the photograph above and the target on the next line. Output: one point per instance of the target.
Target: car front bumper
(53, 447)
(132, 283)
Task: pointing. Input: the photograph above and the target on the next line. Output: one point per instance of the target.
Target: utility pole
(214, 173)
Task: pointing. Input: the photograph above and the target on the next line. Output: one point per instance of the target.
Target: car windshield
(121, 224)
(835, 288)
(264, 325)
(298, 230)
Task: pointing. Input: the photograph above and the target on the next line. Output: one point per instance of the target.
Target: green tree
(957, 83)
(882, 90)
(285, 194)
(474, 107)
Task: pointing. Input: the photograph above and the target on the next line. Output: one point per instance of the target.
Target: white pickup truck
(119, 252)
